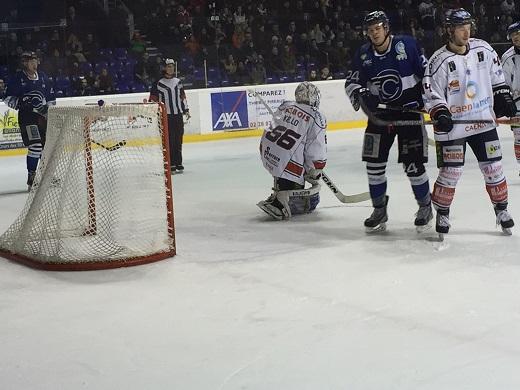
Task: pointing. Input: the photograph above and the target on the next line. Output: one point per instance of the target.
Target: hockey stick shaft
(381, 122)
(111, 148)
(355, 198)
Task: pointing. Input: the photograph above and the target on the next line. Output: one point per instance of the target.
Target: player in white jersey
(465, 80)
(511, 65)
(294, 151)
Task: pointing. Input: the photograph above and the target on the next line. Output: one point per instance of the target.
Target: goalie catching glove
(503, 102)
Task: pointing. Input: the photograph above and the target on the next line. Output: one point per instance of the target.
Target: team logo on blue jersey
(388, 83)
(401, 51)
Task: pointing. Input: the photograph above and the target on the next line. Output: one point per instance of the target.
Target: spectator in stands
(313, 75)
(142, 69)
(242, 75)
(90, 48)
(104, 82)
(288, 61)
(325, 73)
(137, 45)
(508, 7)
(83, 89)
(258, 72)
(2, 89)
(275, 65)
(230, 66)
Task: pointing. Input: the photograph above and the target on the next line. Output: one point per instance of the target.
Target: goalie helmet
(376, 17)
(308, 93)
(512, 29)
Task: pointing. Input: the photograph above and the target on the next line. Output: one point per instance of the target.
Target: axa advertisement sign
(237, 110)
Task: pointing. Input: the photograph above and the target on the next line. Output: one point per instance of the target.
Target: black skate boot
(30, 179)
(377, 221)
(442, 225)
(504, 219)
(423, 217)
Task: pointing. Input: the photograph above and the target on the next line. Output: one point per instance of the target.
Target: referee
(170, 91)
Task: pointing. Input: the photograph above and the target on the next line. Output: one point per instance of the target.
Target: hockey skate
(423, 218)
(274, 208)
(377, 220)
(442, 225)
(504, 219)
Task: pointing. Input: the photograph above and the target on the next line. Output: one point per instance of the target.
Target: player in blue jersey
(30, 92)
(388, 70)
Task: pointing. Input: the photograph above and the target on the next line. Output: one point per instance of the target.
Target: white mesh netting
(102, 194)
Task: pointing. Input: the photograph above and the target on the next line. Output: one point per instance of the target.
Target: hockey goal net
(102, 195)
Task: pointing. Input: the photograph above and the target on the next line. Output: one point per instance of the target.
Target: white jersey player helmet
(308, 93)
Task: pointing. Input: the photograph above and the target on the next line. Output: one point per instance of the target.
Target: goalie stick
(354, 198)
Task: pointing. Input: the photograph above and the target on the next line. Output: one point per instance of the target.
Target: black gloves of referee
(503, 102)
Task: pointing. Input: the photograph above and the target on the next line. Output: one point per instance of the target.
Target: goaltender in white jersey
(462, 84)
(293, 151)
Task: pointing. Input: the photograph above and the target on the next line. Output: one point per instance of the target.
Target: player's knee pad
(376, 173)
(416, 173)
(496, 184)
(444, 187)
(35, 150)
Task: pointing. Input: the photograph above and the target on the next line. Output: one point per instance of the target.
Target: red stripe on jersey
(320, 164)
(293, 168)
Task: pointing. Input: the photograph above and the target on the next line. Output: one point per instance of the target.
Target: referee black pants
(175, 133)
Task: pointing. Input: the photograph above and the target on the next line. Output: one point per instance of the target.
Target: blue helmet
(458, 17)
(513, 28)
(375, 17)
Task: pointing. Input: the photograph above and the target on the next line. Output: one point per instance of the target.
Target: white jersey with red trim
(511, 66)
(464, 84)
(296, 142)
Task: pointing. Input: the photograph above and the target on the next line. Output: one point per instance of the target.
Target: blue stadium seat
(120, 53)
(271, 79)
(299, 78)
(85, 66)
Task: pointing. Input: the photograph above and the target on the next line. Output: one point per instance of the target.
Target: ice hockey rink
(250, 303)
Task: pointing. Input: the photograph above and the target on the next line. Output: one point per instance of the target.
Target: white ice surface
(248, 303)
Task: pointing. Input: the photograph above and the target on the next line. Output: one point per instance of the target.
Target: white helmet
(308, 93)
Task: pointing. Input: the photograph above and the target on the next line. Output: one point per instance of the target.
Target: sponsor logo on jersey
(471, 89)
(475, 127)
(479, 105)
(229, 110)
(453, 154)
(401, 51)
(480, 56)
(388, 83)
(454, 86)
(493, 149)
(270, 157)
(451, 66)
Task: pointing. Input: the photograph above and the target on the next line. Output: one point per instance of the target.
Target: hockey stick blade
(111, 148)
(355, 198)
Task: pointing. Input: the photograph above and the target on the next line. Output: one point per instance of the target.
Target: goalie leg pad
(304, 204)
(496, 184)
(444, 188)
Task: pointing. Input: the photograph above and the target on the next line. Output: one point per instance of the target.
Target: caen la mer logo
(401, 51)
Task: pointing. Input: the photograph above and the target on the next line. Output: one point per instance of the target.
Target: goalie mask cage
(102, 195)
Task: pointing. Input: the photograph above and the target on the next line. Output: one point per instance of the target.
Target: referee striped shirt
(170, 91)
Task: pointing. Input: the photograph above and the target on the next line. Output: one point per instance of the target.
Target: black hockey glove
(363, 95)
(443, 118)
(503, 102)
